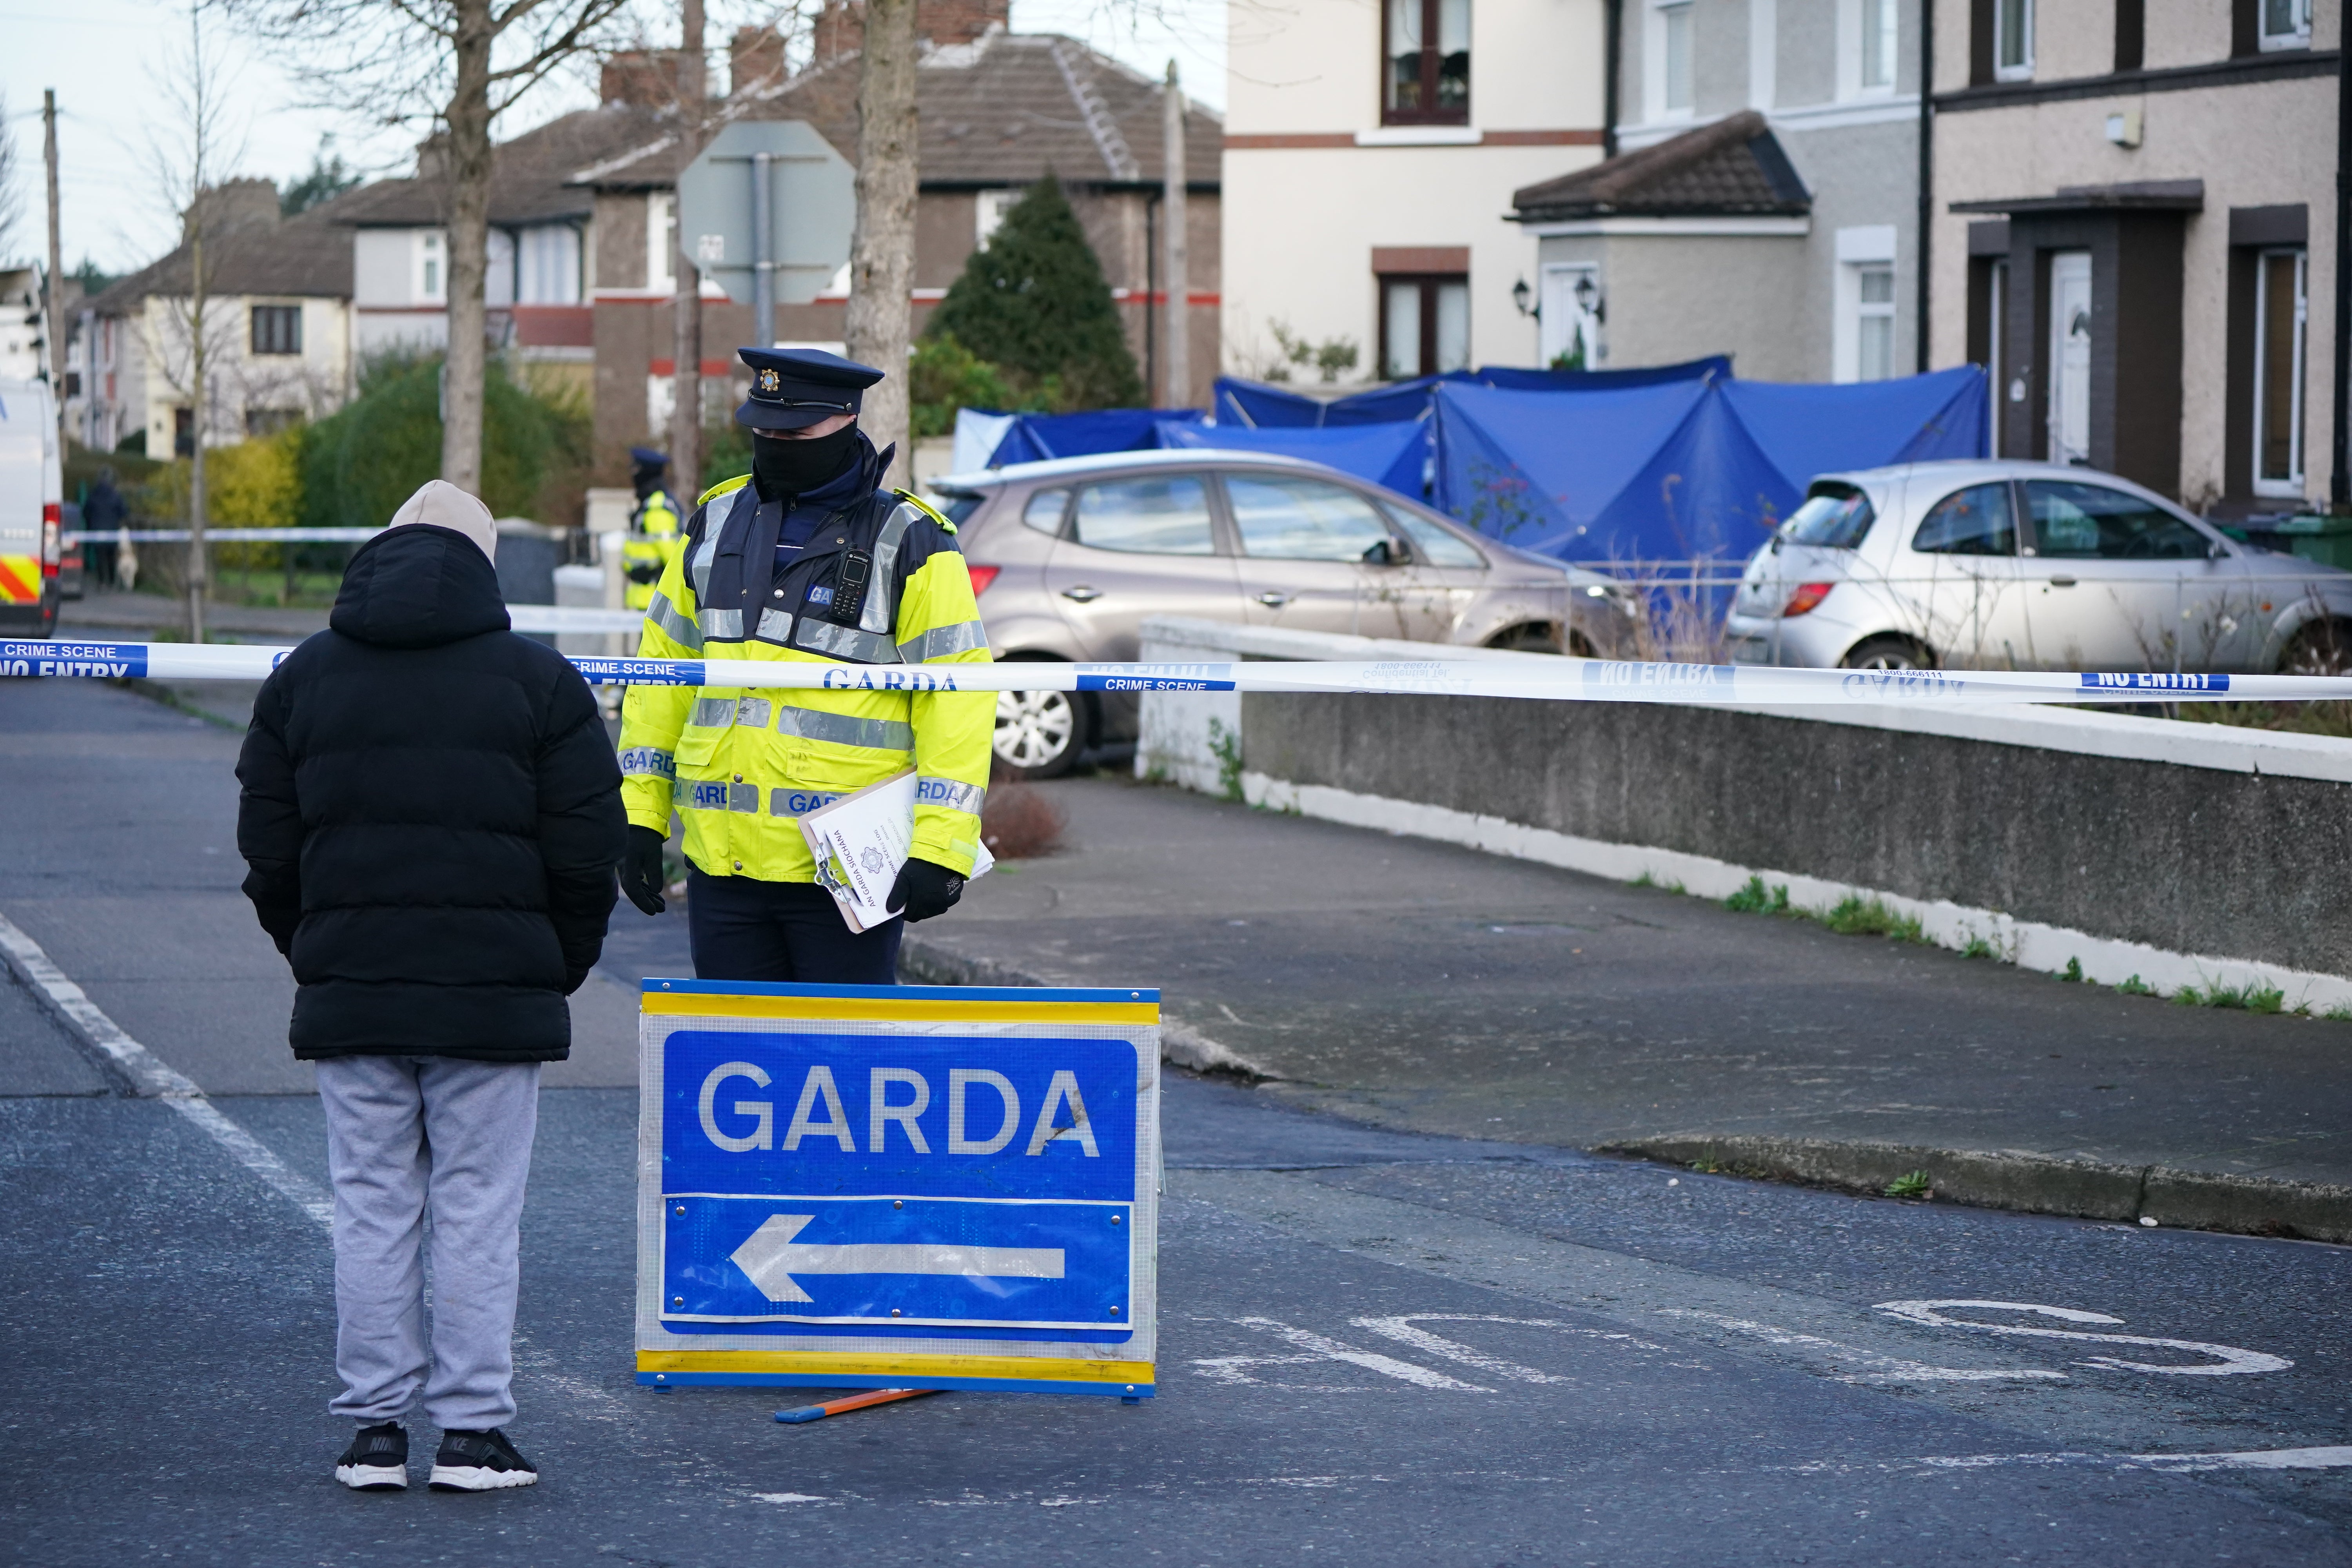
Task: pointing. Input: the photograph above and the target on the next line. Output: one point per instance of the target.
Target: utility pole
(685, 386)
(54, 293)
(1178, 390)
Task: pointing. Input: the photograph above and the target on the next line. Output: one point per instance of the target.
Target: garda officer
(652, 542)
(804, 560)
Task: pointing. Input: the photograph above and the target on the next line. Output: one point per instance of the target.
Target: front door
(2070, 356)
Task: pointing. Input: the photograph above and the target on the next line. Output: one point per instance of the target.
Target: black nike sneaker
(377, 1460)
(480, 1462)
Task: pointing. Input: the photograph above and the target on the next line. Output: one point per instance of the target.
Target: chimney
(755, 58)
(232, 204)
(840, 25)
(644, 77)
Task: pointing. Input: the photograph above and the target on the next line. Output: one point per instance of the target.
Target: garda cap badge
(769, 381)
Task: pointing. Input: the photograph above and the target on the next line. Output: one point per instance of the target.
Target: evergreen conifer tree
(1033, 302)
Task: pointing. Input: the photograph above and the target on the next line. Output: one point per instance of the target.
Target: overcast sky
(102, 56)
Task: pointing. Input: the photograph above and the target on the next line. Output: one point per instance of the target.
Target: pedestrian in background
(432, 815)
(103, 512)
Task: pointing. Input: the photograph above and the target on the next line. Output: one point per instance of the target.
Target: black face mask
(796, 467)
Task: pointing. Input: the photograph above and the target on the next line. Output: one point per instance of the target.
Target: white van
(32, 508)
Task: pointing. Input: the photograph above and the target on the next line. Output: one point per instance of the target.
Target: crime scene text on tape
(1551, 680)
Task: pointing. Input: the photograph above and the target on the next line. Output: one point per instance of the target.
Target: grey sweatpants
(405, 1136)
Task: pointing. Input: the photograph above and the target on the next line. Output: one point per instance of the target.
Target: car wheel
(1039, 734)
(1887, 653)
(2323, 648)
(1527, 639)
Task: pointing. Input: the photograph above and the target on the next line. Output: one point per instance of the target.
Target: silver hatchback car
(1070, 555)
(2014, 565)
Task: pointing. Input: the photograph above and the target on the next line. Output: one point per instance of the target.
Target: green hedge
(360, 463)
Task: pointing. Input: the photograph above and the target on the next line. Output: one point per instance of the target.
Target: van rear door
(23, 412)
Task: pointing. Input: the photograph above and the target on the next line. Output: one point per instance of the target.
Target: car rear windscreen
(1834, 516)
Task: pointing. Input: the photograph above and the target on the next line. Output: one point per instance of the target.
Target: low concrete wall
(2184, 854)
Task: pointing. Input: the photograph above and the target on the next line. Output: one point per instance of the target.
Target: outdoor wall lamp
(1588, 300)
(1520, 292)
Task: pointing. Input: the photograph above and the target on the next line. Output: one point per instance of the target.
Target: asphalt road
(1434, 988)
(1379, 1347)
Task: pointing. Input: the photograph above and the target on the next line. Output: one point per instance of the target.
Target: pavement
(1381, 1344)
(1433, 988)
(113, 610)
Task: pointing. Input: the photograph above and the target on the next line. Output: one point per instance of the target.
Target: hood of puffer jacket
(419, 586)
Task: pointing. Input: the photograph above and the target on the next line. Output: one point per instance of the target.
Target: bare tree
(882, 250)
(457, 65)
(192, 151)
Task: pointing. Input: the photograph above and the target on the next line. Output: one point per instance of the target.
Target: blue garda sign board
(899, 1186)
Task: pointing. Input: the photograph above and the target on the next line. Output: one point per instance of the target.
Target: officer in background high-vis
(652, 542)
(805, 560)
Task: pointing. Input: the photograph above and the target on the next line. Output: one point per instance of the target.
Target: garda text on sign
(898, 1186)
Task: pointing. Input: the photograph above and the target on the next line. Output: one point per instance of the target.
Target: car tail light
(1807, 598)
(52, 537)
(982, 576)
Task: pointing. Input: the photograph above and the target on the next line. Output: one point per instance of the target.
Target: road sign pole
(764, 264)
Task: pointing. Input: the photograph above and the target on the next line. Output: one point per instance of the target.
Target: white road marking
(2229, 1360)
(1321, 1348)
(784, 1496)
(2333, 1459)
(1885, 1368)
(1400, 1329)
(149, 1077)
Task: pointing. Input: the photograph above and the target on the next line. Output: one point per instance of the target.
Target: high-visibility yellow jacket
(740, 765)
(653, 542)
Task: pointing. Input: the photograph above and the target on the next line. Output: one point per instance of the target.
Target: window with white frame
(431, 273)
(548, 265)
(2287, 24)
(1862, 336)
(1670, 36)
(989, 208)
(1874, 324)
(2012, 39)
(661, 240)
(1877, 52)
(2281, 311)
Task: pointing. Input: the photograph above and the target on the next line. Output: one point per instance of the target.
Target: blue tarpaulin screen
(1034, 437)
(1683, 470)
(1394, 455)
(1256, 402)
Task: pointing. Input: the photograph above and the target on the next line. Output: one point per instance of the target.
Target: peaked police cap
(794, 388)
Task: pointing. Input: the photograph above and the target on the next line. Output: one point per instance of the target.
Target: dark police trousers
(747, 929)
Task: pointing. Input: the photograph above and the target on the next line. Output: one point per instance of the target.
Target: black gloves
(924, 888)
(641, 870)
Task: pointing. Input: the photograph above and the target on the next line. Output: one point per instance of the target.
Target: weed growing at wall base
(2253, 996)
(1912, 1184)
(1857, 916)
(1225, 745)
(1753, 899)
(2134, 985)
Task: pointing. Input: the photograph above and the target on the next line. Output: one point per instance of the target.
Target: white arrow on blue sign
(769, 1258)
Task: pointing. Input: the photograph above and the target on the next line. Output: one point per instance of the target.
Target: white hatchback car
(2012, 565)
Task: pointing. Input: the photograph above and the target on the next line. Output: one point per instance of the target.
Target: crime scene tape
(1547, 679)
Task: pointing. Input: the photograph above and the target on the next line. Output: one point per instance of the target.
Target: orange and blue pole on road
(854, 1402)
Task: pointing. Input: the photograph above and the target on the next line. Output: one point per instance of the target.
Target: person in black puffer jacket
(431, 814)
